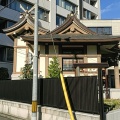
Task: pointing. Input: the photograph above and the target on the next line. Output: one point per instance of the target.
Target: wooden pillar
(85, 69)
(15, 56)
(46, 65)
(77, 71)
(116, 73)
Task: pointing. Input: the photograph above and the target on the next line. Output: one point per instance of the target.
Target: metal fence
(82, 92)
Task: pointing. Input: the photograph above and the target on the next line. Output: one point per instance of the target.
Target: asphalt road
(3, 118)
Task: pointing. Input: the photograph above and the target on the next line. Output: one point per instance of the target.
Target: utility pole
(35, 65)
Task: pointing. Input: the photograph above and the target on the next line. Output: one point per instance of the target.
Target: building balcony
(90, 8)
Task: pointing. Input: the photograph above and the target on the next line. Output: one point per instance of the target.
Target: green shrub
(53, 68)
(4, 73)
(27, 72)
(113, 102)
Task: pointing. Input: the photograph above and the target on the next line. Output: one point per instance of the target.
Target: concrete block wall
(49, 113)
(22, 111)
(115, 93)
(15, 110)
(113, 115)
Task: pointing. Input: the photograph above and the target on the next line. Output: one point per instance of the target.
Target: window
(3, 2)
(93, 2)
(88, 1)
(86, 14)
(66, 4)
(9, 52)
(43, 14)
(68, 63)
(59, 20)
(5, 23)
(102, 30)
(94, 29)
(10, 23)
(2, 53)
(6, 54)
(16, 5)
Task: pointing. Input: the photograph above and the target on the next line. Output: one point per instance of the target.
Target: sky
(110, 9)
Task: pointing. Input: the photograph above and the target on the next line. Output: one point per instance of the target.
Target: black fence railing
(16, 90)
(82, 92)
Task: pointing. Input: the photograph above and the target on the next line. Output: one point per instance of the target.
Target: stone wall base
(22, 111)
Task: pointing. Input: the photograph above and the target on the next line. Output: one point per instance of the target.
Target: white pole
(35, 65)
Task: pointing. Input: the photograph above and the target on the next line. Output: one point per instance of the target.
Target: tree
(27, 72)
(53, 68)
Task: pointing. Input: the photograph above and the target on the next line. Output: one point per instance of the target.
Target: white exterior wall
(42, 66)
(98, 5)
(114, 93)
(52, 15)
(92, 50)
(21, 54)
(21, 58)
(73, 1)
(90, 8)
(45, 24)
(60, 11)
(95, 10)
(20, 42)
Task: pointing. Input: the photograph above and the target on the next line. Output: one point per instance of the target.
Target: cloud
(110, 7)
(107, 9)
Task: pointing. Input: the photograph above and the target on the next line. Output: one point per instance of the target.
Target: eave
(78, 38)
(72, 19)
(26, 23)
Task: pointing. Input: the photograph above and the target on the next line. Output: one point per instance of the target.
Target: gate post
(99, 66)
(101, 103)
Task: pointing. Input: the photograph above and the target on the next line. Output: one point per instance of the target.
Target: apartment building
(52, 12)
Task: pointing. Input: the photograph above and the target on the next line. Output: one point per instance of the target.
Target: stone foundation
(22, 111)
